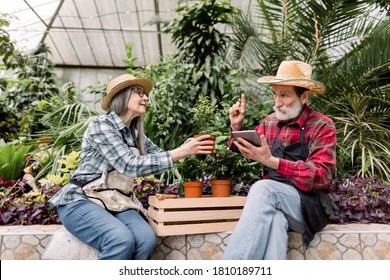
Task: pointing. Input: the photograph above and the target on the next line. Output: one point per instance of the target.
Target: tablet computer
(249, 135)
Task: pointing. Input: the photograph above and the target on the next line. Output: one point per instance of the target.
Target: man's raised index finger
(243, 102)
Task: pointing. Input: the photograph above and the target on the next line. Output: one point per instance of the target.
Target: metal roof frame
(93, 33)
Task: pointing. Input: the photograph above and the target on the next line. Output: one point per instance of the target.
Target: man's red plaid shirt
(320, 137)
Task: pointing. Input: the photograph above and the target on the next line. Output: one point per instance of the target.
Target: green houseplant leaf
(229, 165)
(205, 113)
(12, 160)
(191, 168)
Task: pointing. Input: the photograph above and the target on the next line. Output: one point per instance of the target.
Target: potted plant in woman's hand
(191, 169)
(206, 114)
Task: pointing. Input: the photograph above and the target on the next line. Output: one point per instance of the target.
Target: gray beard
(285, 114)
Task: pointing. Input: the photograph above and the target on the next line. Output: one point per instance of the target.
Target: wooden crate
(181, 216)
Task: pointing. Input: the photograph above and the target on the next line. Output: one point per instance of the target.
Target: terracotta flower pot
(221, 188)
(212, 138)
(192, 189)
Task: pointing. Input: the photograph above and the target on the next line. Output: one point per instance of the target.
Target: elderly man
(298, 153)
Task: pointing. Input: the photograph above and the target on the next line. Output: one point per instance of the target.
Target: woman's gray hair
(119, 105)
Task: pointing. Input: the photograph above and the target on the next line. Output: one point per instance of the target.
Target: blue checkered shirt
(105, 146)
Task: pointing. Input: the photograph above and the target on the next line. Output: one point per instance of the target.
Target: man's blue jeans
(270, 210)
(121, 236)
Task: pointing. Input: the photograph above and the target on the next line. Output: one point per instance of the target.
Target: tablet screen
(249, 135)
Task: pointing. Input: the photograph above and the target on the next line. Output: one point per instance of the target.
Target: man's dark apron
(311, 202)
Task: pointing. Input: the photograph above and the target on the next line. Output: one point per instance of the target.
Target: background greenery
(347, 44)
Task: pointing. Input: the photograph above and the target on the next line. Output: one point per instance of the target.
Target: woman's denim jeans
(270, 210)
(120, 236)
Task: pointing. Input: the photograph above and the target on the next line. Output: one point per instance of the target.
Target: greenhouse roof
(93, 33)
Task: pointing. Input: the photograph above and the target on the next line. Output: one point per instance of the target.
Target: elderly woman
(116, 142)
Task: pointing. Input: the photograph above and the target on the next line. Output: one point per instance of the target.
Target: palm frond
(306, 30)
(248, 50)
(330, 28)
(52, 166)
(69, 114)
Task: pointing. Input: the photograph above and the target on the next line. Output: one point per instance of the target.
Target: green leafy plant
(206, 114)
(35, 81)
(229, 165)
(360, 108)
(191, 168)
(200, 42)
(168, 120)
(10, 56)
(67, 165)
(12, 160)
(129, 55)
(65, 118)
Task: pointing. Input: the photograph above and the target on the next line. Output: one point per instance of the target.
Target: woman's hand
(193, 146)
(237, 114)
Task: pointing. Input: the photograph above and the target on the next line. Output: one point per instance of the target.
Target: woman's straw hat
(294, 73)
(122, 82)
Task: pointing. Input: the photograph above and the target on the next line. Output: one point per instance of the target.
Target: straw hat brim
(314, 87)
(122, 83)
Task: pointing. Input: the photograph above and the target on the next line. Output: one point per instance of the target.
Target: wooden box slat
(202, 215)
(182, 216)
(185, 229)
(207, 201)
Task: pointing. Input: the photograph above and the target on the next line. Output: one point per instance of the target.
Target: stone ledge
(28, 230)
(335, 242)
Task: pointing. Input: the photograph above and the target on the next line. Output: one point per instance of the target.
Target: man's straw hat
(294, 73)
(122, 82)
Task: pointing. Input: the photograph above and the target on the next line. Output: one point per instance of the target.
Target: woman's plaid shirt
(103, 148)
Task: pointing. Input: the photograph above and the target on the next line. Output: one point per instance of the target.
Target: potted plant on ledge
(191, 170)
(228, 168)
(220, 166)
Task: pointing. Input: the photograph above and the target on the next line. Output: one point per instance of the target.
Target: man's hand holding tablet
(249, 135)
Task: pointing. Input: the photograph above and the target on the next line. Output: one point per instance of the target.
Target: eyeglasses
(139, 90)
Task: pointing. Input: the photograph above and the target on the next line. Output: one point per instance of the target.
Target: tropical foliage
(11, 57)
(199, 41)
(344, 41)
(12, 160)
(65, 117)
(34, 81)
(168, 120)
(66, 166)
